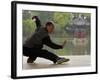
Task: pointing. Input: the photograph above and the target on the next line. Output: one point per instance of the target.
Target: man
(33, 46)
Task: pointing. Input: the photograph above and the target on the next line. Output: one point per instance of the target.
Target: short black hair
(49, 24)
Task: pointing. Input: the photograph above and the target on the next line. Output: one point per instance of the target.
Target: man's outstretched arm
(47, 41)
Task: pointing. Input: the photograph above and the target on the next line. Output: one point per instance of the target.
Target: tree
(28, 27)
(61, 18)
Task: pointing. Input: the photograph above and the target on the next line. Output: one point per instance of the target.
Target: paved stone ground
(75, 61)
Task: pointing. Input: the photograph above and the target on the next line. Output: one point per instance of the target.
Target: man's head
(49, 26)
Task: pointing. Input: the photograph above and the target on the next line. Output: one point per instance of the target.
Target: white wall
(5, 37)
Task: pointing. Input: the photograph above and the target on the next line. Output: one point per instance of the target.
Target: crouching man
(33, 47)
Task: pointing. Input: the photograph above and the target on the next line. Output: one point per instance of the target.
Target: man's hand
(63, 43)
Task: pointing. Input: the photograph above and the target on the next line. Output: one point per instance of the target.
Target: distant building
(79, 30)
(79, 26)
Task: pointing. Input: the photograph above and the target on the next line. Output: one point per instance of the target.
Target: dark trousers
(34, 53)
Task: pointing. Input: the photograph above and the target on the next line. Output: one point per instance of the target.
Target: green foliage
(28, 27)
(61, 18)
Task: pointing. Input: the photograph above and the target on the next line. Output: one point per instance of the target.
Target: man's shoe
(62, 60)
(30, 60)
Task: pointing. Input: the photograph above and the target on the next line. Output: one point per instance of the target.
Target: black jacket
(40, 38)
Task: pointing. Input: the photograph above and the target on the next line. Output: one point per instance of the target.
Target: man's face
(50, 28)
